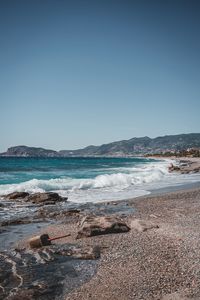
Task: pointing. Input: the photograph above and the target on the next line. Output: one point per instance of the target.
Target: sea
(86, 182)
(94, 179)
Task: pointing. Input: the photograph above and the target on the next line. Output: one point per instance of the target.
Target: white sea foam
(127, 182)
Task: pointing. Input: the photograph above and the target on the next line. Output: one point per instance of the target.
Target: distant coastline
(170, 144)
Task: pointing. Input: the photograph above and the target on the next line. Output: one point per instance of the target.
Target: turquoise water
(16, 170)
(88, 179)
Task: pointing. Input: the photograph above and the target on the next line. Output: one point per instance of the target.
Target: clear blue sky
(75, 73)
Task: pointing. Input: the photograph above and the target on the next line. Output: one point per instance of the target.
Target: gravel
(160, 263)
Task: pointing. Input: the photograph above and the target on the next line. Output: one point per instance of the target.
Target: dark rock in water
(50, 212)
(45, 198)
(37, 198)
(25, 220)
(92, 225)
(48, 273)
(173, 168)
(17, 195)
(22, 220)
(2, 229)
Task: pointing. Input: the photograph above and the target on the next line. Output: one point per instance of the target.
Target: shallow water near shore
(13, 233)
(89, 179)
(85, 180)
(121, 250)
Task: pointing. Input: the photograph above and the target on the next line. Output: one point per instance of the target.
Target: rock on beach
(36, 198)
(45, 198)
(142, 225)
(17, 195)
(92, 225)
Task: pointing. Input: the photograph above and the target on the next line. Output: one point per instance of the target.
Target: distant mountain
(24, 151)
(134, 146)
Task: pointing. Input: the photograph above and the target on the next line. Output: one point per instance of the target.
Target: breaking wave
(129, 177)
(112, 184)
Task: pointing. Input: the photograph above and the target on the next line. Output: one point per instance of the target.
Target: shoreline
(140, 186)
(24, 230)
(157, 263)
(154, 264)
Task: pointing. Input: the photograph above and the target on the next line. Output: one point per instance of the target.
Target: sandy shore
(162, 263)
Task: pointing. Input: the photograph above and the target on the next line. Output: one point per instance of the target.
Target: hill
(134, 146)
(25, 151)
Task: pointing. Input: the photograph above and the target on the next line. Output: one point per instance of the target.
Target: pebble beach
(161, 263)
(157, 263)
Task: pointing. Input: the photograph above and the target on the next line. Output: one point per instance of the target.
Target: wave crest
(137, 177)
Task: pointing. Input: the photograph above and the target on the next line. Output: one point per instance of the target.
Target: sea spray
(88, 179)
